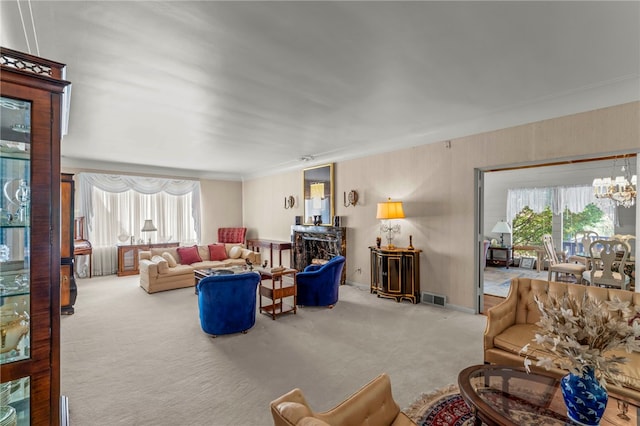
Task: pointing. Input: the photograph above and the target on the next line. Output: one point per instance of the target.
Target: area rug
(443, 407)
(497, 281)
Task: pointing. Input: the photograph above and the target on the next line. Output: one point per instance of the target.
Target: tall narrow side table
(272, 245)
(276, 286)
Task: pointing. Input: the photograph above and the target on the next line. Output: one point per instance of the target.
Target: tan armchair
(372, 405)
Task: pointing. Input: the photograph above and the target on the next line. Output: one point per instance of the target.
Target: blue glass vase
(584, 397)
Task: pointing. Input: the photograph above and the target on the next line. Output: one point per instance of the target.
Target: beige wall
(436, 184)
(220, 206)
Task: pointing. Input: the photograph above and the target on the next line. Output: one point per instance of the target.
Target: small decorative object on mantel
(411, 247)
(336, 221)
(581, 335)
(317, 220)
(378, 241)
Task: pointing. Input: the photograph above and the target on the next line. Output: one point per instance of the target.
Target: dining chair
(566, 268)
(608, 258)
(583, 240)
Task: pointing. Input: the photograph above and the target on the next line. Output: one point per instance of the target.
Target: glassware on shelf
(23, 196)
(13, 327)
(8, 416)
(5, 253)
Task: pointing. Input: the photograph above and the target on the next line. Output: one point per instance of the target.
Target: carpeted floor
(132, 358)
(443, 407)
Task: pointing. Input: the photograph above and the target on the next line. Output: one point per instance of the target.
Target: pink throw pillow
(188, 255)
(217, 252)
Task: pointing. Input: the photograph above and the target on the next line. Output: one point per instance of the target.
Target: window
(115, 208)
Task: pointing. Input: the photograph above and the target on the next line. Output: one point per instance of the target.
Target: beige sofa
(512, 324)
(163, 268)
(373, 404)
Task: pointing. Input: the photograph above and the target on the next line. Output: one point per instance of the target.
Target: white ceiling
(234, 90)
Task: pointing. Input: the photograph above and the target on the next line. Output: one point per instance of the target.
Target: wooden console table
(256, 244)
(128, 256)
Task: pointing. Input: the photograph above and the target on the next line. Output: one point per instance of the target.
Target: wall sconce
(351, 199)
(148, 227)
(387, 211)
(289, 202)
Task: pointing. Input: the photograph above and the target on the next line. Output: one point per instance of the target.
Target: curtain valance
(574, 198)
(143, 185)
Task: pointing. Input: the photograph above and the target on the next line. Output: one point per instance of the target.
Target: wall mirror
(317, 190)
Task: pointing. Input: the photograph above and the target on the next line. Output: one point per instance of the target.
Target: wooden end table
(275, 287)
(509, 396)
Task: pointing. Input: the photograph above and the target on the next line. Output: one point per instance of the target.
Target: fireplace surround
(317, 243)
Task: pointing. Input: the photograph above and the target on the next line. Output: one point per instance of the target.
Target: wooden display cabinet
(395, 273)
(31, 91)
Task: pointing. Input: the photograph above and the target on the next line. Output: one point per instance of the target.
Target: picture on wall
(317, 191)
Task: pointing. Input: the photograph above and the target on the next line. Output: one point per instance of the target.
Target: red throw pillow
(189, 255)
(217, 252)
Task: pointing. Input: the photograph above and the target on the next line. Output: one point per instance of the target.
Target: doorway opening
(524, 255)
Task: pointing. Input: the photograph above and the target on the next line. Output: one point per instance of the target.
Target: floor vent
(434, 299)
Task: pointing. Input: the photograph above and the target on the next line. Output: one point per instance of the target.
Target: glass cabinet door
(15, 243)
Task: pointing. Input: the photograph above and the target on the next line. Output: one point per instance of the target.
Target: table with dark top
(501, 395)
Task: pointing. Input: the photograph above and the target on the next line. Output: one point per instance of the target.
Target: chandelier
(622, 190)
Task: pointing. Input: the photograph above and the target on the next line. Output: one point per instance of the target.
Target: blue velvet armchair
(318, 284)
(228, 303)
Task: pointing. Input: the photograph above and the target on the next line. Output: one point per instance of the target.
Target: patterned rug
(443, 407)
(497, 281)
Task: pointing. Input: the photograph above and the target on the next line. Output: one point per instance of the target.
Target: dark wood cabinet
(31, 91)
(395, 273)
(500, 256)
(68, 288)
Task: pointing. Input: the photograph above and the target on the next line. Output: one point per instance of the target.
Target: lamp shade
(501, 228)
(148, 226)
(390, 210)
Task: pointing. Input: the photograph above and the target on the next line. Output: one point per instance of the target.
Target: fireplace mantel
(317, 242)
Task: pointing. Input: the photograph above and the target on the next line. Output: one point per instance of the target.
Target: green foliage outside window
(588, 219)
(529, 227)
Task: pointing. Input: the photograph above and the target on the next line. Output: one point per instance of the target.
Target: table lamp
(502, 228)
(386, 211)
(149, 227)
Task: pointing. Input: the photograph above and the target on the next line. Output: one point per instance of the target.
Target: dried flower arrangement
(580, 332)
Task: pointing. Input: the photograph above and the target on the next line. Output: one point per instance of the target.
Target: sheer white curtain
(116, 207)
(574, 198)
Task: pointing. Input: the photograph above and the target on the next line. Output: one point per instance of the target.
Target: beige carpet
(130, 358)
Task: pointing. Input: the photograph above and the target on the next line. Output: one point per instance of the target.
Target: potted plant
(579, 335)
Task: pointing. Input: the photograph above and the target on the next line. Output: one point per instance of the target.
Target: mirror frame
(318, 174)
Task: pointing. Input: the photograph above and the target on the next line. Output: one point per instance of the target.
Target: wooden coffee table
(500, 395)
(203, 273)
